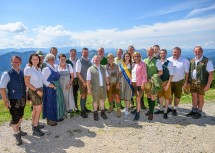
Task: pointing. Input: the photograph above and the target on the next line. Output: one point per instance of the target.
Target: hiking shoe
(150, 117)
(158, 111)
(137, 116)
(18, 139)
(191, 113)
(96, 117)
(22, 133)
(196, 115)
(147, 113)
(174, 112)
(118, 114)
(169, 110)
(126, 114)
(87, 110)
(165, 116)
(51, 123)
(110, 109)
(124, 110)
(84, 114)
(134, 112)
(38, 132)
(40, 126)
(103, 115)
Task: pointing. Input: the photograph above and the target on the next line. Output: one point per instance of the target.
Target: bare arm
(168, 83)
(4, 97)
(89, 89)
(210, 79)
(108, 84)
(186, 80)
(81, 79)
(30, 86)
(160, 72)
(72, 78)
(27, 83)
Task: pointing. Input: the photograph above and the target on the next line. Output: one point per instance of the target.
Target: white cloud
(183, 33)
(200, 11)
(13, 27)
(209, 43)
(180, 7)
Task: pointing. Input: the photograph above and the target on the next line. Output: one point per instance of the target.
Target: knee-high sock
(83, 103)
(76, 101)
(149, 102)
(118, 105)
(152, 106)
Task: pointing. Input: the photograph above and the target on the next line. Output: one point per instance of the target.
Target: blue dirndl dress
(53, 102)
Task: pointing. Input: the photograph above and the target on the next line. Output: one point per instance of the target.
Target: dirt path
(120, 135)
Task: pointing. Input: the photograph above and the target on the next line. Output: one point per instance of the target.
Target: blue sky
(111, 24)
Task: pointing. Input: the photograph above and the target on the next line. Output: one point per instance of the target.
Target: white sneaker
(124, 110)
(68, 115)
(127, 113)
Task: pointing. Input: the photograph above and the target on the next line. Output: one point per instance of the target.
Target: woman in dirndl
(66, 79)
(114, 91)
(126, 88)
(53, 101)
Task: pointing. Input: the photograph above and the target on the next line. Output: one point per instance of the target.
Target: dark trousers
(75, 91)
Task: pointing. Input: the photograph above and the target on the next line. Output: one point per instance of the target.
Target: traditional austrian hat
(40, 53)
(186, 90)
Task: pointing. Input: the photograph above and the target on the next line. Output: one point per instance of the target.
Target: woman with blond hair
(138, 78)
(113, 93)
(53, 102)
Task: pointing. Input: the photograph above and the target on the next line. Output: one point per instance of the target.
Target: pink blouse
(141, 73)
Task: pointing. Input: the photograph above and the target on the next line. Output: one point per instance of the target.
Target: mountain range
(24, 53)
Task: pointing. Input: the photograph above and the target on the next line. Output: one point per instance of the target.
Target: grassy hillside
(5, 116)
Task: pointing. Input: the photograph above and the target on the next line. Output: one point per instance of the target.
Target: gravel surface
(120, 135)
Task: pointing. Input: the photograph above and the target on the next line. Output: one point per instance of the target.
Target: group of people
(52, 84)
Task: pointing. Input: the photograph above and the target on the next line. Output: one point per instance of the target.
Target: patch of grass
(209, 97)
(5, 115)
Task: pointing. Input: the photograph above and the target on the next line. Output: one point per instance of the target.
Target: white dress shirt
(74, 67)
(133, 73)
(180, 67)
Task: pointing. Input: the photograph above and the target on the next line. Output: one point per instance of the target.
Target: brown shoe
(147, 113)
(118, 114)
(103, 115)
(51, 123)
(150, 117)
(96, 117)
(110, 109)
(18, 139)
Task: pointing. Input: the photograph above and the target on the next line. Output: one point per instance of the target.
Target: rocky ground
(120, 135)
